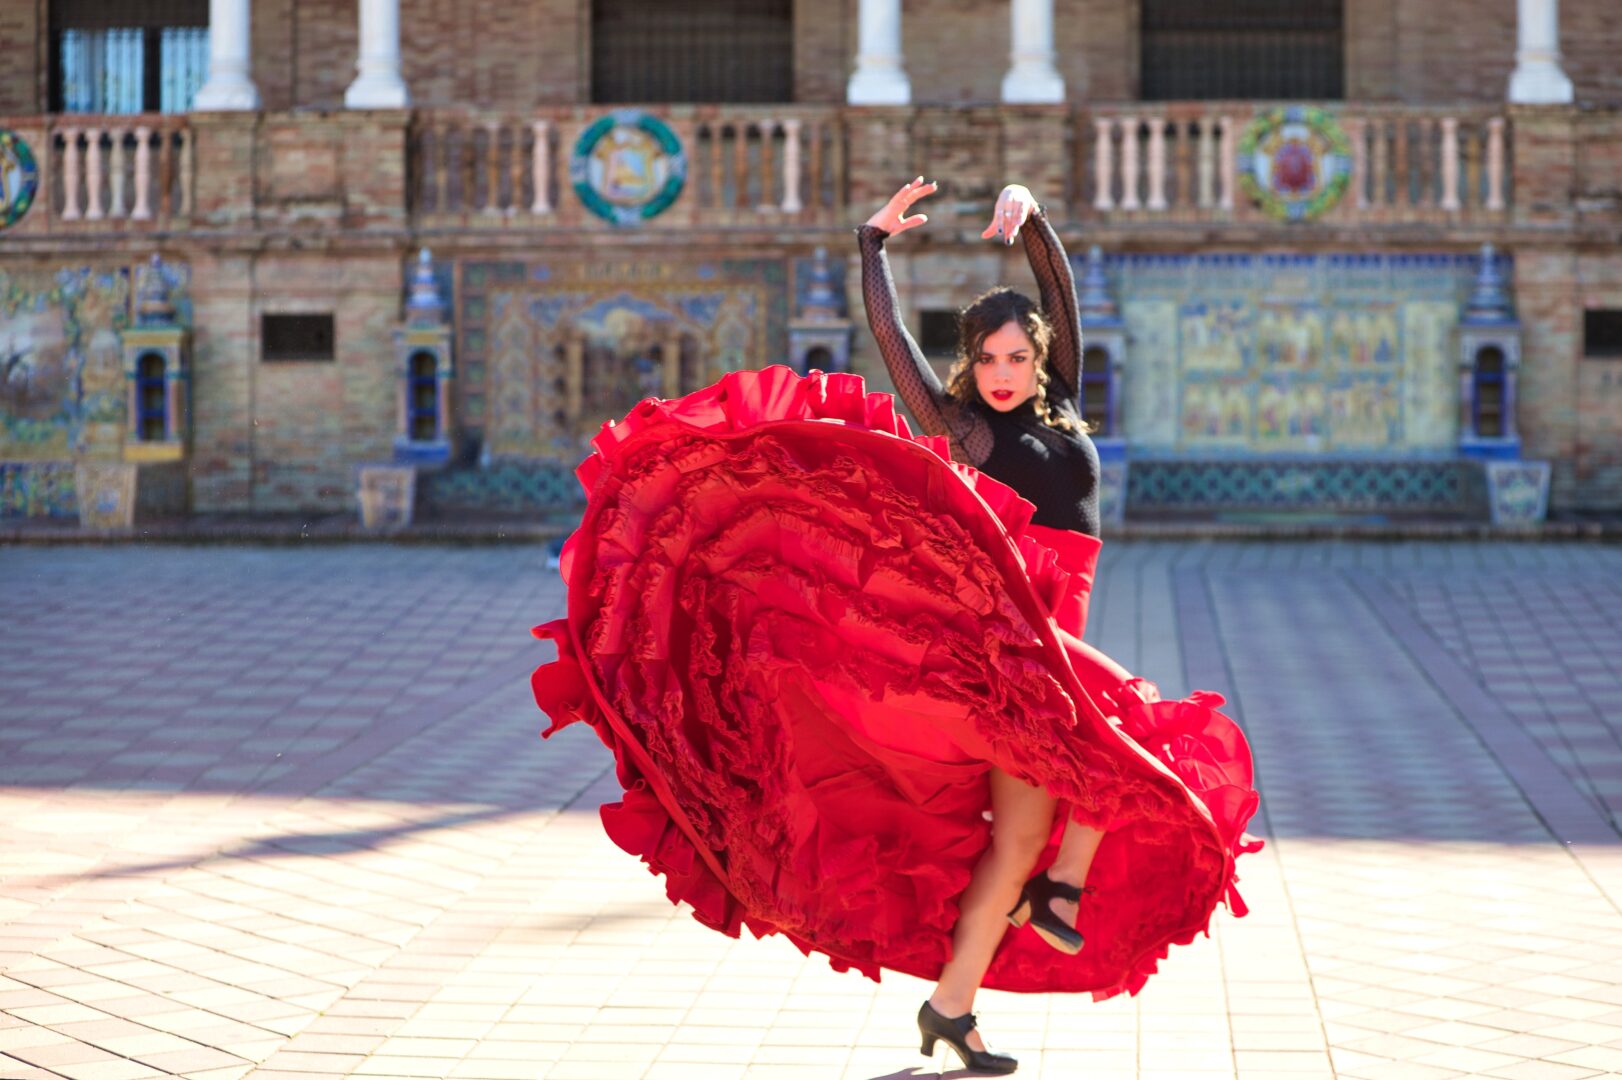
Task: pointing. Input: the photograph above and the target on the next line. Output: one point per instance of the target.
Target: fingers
(910, 223)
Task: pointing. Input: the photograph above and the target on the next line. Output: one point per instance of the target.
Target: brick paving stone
(308, 831)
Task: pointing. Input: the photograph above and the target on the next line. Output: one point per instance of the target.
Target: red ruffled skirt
(807, 636)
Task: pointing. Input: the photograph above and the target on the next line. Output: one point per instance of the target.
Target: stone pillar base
(387, 494)
(1518, 491)
(120, 494)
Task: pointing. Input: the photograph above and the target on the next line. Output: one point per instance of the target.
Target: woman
(1009, 410)
(822, 648)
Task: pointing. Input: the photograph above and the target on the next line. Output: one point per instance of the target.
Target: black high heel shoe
(955, 1030)
(1036, 907)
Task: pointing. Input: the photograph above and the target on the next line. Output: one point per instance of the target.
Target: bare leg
(1076, 850)
(1022, 818)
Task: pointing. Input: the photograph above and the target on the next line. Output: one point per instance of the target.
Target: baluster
(1157, 163)
(1399, 165)
(814, 193)
(515, 168)
(70, 174)
(441, 176)
(492, 167)
(718, 189)
(768, 131)
(143, 175)
(1379, 189)
(117, 209)
(1205, 157)
(1357, 133)
(542, 166)
(1103, 166)
(1472, 165)
(188, 164)
(92, 180)
(1450, 163)
(836, 160)
(1185, 133)
(791, 167)
(1230, 163)
(740, 164)
(166, 172)
(1495, 163)
(1129, 163)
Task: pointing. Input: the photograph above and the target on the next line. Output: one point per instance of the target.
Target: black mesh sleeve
(1057, 286)
(914, 379)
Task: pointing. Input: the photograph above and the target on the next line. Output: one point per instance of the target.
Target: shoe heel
(927, 1048)
(1021, 913)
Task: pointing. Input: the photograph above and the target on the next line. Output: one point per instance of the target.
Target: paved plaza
(283, 814)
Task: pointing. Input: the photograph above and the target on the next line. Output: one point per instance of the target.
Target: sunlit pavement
(283, 814)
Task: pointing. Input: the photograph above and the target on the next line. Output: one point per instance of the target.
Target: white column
(228, 87)
(379, 85)
(1032, 78)
(1537, 79)
(879, 78)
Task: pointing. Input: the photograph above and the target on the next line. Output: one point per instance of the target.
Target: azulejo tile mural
(1339, 355)
(548, 352)
(61, 374)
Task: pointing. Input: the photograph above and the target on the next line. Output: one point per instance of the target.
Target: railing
(743, 165)
(1180, 161)
(126, 169)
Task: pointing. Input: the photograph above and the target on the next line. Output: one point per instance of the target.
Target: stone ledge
(343, 529)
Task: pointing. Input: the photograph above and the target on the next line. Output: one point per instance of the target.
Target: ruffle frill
(807, 635)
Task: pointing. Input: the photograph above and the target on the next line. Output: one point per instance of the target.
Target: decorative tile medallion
(19, 178)
(628, 167)
(1295, 162)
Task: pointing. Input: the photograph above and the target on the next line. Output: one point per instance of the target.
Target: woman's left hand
(1014, 206)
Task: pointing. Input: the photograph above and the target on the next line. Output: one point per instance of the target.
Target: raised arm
(1018, 214)
(914, 379)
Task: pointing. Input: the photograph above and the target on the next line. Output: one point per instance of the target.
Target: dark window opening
(692, 50)
(1242, 49)
(818, 358)
(151, 398)
(297, 337)
(1489, 393)
(424, 397)
(937, 332)
(1602, 332)
(1095, 390)
(127, 56)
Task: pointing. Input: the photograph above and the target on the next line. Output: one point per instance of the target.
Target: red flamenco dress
(807, 635)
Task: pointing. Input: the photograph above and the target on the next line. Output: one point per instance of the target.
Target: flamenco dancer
(825, 651)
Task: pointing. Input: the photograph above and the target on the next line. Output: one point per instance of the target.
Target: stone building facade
(1281, 294)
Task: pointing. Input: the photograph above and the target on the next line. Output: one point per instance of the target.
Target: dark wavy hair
(985, 315)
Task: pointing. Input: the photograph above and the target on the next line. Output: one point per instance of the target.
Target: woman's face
(1005, 370)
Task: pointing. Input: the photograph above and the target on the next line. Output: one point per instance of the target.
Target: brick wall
(1597, 468)
(313, 421)
(20, 41)
(223, 337)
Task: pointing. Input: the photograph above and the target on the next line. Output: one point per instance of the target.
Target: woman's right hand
(892, 218)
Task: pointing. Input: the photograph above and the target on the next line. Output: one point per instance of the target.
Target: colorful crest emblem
(19, 178)
(1295, 162)
(628, 167)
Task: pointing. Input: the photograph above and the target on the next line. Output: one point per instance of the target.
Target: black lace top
(1055, 470)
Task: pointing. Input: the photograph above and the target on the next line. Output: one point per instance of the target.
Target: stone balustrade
(1182, 161)
(126, 171)
(778, 164)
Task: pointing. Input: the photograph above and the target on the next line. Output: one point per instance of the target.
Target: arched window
(423, 395)
(692, 50)
(818, 358)
(1253, 49)
(127, 56)
(1488, 406)
(1096, 390)
(152, 398)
